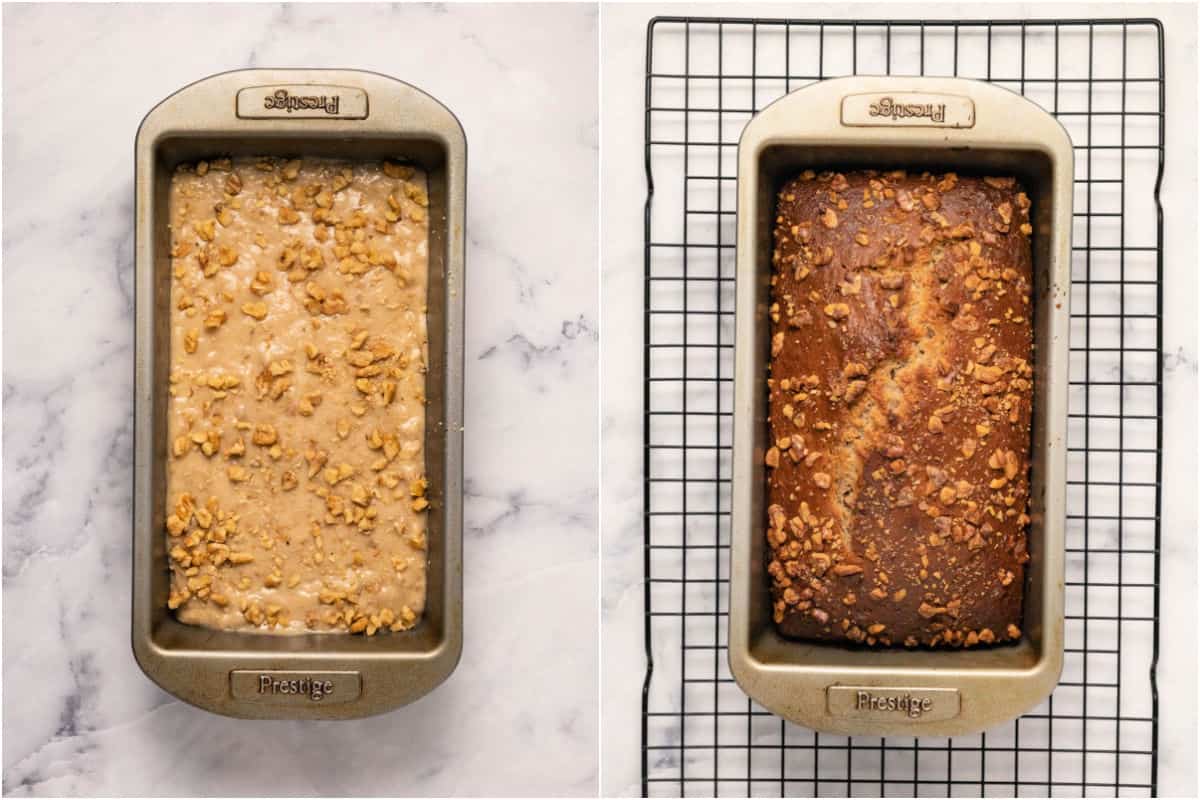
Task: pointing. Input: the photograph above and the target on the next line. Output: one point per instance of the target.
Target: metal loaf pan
(335, 113)
(914, 123)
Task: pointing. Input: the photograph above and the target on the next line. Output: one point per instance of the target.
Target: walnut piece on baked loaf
(900, 394)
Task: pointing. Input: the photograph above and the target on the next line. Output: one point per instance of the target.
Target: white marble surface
(623, 41)
(519, 715)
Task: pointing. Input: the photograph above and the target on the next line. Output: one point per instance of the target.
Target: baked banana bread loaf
(900, 394)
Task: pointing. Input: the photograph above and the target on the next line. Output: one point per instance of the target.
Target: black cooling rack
(1104, 80)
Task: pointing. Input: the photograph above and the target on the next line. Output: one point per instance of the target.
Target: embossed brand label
(908, 109)
(294, 687)
(886, 703)
(302, 101)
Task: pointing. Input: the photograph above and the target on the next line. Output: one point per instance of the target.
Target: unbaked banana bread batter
(296, 485)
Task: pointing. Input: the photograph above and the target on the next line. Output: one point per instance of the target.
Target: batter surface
(296, 478)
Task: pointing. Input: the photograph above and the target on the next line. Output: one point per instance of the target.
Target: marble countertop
(519, 715)
(623, 45)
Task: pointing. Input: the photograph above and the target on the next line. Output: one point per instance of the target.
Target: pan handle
(262, 102)
(935, 112)
(302, 101)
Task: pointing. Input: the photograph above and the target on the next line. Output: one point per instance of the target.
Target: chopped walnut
(837, 310)
(264, 435)
(772, 457)
(1011, 464)
(854, 389)
(262, 283)
(986, 374)
(206, 230)
(215, 319)
(928, 611)
(776, 344)
(256, 310)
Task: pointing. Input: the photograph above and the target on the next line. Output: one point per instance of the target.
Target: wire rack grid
(1104, 80)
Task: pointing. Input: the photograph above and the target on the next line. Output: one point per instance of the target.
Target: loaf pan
(931, 124)
(333, 113)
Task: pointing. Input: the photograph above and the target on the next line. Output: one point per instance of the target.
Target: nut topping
(906, 400)
(289, 516)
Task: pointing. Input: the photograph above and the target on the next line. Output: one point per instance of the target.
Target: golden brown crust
(900, 396)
